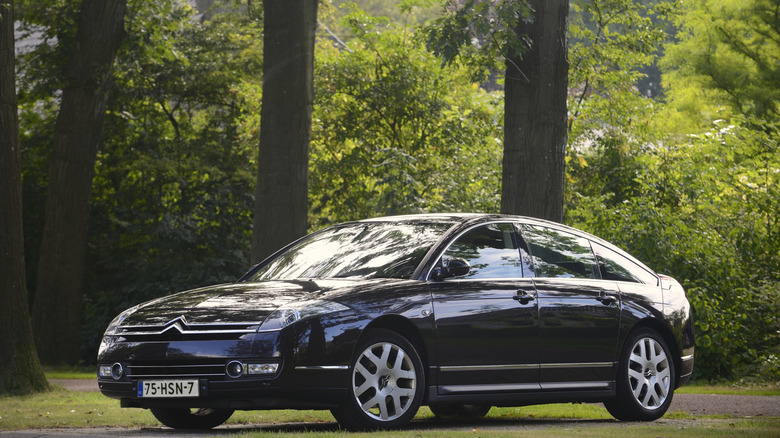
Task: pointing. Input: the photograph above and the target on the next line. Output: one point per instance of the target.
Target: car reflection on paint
(373, 319)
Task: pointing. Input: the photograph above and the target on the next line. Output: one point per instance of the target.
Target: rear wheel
(645, 379)
(459, 412)
(386, 383)
(184, 418)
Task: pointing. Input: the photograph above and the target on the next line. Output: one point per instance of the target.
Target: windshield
(364, 250)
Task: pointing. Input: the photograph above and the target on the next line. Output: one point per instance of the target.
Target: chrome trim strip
(686, 358)
(322, 367)
(455, 389)
(187, 332)
(487, 367)
(577, 365)
(575, 385)
(169, 376)
(544, 366)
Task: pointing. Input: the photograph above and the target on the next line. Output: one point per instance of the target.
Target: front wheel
(645, 379)
(386, 384)
(184, 418)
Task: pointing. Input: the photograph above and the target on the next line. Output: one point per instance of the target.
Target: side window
(559, 254)
(614, 266)
(491, 250)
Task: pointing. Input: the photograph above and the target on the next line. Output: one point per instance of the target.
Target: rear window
(614, 266)
(559, 254)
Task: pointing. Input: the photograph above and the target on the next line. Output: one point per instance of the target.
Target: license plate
(168, 388)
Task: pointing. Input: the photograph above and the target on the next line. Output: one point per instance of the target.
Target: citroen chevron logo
(177, 324)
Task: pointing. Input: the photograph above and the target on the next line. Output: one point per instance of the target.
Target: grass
(64, 409)
(71, 373)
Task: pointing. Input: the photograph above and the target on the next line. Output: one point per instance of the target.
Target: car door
(486, 319)
(579, 314)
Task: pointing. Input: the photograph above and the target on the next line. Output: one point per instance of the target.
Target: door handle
(606, 299)
(523, 297)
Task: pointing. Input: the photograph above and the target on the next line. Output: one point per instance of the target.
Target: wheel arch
(405, 328)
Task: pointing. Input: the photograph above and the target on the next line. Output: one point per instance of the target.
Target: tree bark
(535, 115)
(281, 202)
(20, 372)
(57, 305)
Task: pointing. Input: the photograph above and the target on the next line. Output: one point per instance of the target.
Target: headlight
(108, 335)
(292, 312)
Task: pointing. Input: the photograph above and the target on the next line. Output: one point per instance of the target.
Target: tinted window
(491, 250)
(616, 267)
(365, 250)
(559, 254)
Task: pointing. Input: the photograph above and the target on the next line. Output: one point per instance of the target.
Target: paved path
(695, 404)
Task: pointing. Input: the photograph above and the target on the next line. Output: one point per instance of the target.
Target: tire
(184, 418)
(386, 383)
(459, 412)
(645, 378)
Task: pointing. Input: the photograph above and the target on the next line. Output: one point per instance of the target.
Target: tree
(529, 39)
(21, 371)
(57, 305)
(281, 202)
(535, 130)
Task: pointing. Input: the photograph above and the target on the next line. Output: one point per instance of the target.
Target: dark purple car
(373, 319)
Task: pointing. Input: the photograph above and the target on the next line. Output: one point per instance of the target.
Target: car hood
(248, 303)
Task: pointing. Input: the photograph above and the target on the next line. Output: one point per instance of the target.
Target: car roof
(461, 221)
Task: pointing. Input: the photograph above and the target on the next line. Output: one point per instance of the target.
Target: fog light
(234, 369)
(262, 368)
(117, 371)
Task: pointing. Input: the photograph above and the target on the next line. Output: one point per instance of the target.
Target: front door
(486, 320)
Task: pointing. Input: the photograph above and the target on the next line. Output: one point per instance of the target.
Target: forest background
(672, 154)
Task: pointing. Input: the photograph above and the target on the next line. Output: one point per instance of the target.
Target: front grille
(160, 371)
(178, 329)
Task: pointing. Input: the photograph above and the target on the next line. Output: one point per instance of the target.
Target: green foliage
(727, 60)
(611, 41)
(396, 132)
(480, 34)
(706, 213)
(401, 12)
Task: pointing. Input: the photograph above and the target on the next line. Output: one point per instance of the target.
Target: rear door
(579, 314)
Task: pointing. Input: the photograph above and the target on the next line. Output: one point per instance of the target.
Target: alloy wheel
(384, 381)
(649, 374)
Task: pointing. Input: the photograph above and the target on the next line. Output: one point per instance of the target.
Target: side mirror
(454, 267)
(458, 267)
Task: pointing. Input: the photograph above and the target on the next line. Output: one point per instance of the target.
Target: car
(373, 319)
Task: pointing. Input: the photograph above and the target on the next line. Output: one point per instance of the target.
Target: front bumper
(312, 373)
(247, 394)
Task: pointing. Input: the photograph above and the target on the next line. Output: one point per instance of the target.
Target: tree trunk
(535, 115)
(57, 302)
(281, 202)
(20, 372)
